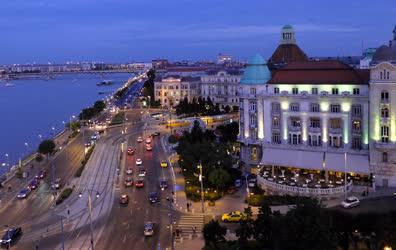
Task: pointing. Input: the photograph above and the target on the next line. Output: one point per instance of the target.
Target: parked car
(148, 140)
(23, 193)
(148, 229)
(139, 161)
(129, 171)
(153, 197)
(149, 147)
(56, 184)
(234, 216)
(252, 183)
(124, 199)
(130, 151)
(139, 139)
(163, 185)
(139, 183)
(350, 202)
(10, 236)
(142, 172)
(238, 183)
(41, 174)
(128, 182)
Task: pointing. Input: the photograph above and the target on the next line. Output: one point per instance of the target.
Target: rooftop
(256, 71)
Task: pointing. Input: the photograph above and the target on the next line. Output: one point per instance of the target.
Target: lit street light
(90, 212)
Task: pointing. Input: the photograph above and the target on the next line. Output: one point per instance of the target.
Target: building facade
(322, 115)
(170, 90)
(221, 87)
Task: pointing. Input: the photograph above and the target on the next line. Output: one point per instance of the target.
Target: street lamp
(41, 137)
(202, 191)
(90, 191)
(7, 157)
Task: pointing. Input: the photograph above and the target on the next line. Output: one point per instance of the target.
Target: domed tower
(287, 51)
(251, 123)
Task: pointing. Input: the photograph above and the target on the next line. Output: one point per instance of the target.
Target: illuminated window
(315, 123)
(335, 123)
(295, 122)
(356, 126)
(384, 156)
(384, 133)
(253, 154)
(276, 90)
(275, 122)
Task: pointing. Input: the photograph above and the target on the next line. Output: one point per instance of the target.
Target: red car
(149, 147)
(41, 174)
(128, 182)
(124, 199)
(130, 151)
(139, 183)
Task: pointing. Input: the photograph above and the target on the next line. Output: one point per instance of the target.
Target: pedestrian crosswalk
(187, 223)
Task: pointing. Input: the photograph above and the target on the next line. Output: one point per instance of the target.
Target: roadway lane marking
(124, 239)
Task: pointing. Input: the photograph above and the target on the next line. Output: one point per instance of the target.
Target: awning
(314, 160)
(355, 163)
(292, 158)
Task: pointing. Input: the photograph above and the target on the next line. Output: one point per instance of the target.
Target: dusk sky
(129, 30)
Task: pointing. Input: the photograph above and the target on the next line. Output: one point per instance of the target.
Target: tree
(219, 178)
(227, 109)
(246, 229)
(214, 233)
(47, 147)
(99, 106)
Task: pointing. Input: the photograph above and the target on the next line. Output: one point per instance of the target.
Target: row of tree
(307, 226)
(89, 113)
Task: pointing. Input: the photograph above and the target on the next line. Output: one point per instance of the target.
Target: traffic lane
(372, 205)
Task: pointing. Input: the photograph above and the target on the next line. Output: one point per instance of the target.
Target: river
(32, 109)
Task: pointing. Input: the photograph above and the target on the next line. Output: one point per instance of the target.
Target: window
(356, 126)
(276, 137)
(295, 107)
(384, 156)
(381, 75)
(385, 96)
(335, 108)
(253, 106)
(314, 140)
(335, 123)
(384, 133)
(295, 91)
(253, 120)
(334, 91)
(275, 107)
(253, 91)
(315, 107)
(356, 91)
(295, 122)
(294, 138)
(315, 123)
(356, 110)
(253, 154)
(314, 91)
(384, 112)
(276, 90)
(335, 141)
(387, 75)
(357, 143)
(275, 122)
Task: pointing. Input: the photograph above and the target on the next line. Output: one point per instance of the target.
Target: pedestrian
(188, 207)
(367, 190)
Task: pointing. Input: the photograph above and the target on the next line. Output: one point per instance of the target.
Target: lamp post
(40, 137)
(171, 222)
(90, 191)
(8, 161)
(202, 190)
(345, 176)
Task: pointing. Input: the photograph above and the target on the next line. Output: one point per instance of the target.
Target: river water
(39, 107)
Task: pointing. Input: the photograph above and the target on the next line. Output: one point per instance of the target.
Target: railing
(305, 191)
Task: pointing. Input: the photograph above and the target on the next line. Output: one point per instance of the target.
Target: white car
(252, 183)
(139, 139)
(129, 171)
(149, 229)
(142, 172)
(350, 202)
(139, 161)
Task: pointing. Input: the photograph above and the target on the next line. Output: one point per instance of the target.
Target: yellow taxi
(164, 164)
(234, 216)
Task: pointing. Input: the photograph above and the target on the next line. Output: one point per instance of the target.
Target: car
(11, 235)
(234, 216)
(41, 174)
(129, 171)
(139, 139)
(148, 140)
(153, 197)
(56, 184)
(88, 144)
(148, 229)
(156, 133)
(252, 183)
(34, 184)
(164, 164)
(350, 202)
(139, 161)
(139, 183)
(130, 151)
(124, 199)
(142, 172)
(23, 193)
(128, 182)
(149, 147)
(163, 185)
(238, 183)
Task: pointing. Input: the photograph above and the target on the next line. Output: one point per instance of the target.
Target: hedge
(64, 195)
(84, 162)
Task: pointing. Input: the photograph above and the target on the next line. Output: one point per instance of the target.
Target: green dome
(287, 26)
(256, 71)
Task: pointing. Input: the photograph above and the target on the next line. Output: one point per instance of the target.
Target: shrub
(39, 157)
(64, 195)
(118, 118)
(172, 139)
(19, 173)
(255, 200)
(84, 162)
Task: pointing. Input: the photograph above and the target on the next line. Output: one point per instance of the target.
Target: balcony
(335, 131)
(253, 125)
(385, 145)
(252, 111)
(314, 130)
(294, 128)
